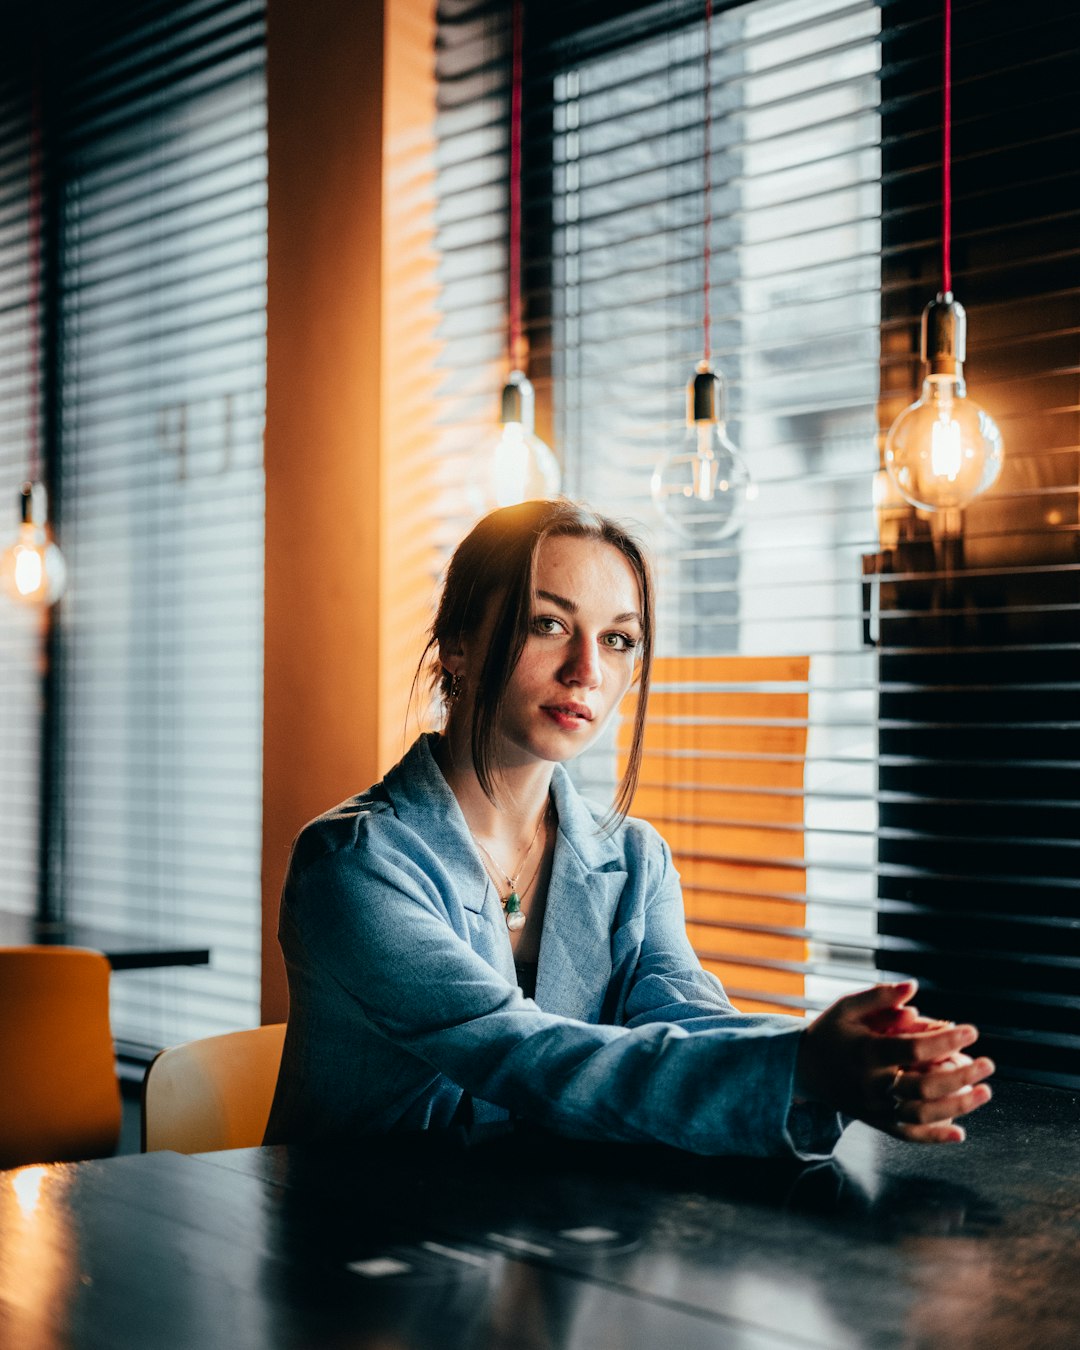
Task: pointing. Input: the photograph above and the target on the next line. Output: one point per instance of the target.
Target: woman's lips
(568, 717)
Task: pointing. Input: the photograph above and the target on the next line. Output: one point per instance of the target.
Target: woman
(470, 939)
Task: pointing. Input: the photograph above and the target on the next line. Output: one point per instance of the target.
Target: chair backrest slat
(213, 1093)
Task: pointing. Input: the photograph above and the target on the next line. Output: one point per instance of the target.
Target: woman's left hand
(872, 1056)
(926, 1100)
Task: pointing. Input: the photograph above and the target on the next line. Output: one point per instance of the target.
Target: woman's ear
(452, 655)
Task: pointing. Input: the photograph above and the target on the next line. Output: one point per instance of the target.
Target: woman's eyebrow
(571, 607)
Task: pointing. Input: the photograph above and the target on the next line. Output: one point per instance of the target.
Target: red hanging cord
(515, 334)
(707, 237)
(946, 159)
(34, 267)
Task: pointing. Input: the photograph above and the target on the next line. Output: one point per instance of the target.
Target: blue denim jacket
(403, 994)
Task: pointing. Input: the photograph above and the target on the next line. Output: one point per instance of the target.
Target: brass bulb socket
(944, 335)
(518, 402)
(705, 396)
(33, 504)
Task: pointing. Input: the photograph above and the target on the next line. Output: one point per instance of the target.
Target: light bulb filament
(29, 569)
(705, 474)
(946, 448)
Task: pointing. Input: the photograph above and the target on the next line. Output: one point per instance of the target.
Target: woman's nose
(582, 664)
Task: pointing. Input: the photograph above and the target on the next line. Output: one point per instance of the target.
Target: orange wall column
(411, 350)
(325, 95)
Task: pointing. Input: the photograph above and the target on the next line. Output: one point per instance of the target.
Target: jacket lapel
(587, 880)
(422, 798)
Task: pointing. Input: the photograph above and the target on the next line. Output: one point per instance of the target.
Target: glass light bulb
(522, 467)
(701, 487)
(943, 450)
(519, 466)
(32, 569)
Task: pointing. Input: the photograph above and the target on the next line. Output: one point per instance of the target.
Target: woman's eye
(544, 623)
(619, 642)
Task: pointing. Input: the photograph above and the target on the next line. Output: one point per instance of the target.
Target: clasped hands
(872, 1056)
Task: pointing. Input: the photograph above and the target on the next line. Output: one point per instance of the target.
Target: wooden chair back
(213, 1093)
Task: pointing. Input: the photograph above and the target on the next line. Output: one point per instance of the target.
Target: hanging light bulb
(521, 466)
(700, 487)
(943, 450)
(32, 570)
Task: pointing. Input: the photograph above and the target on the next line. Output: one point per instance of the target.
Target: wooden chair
(722, 779)
(213, 1093)
(57, 1066)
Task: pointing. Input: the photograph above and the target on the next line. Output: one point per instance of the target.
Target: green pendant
(515, 919)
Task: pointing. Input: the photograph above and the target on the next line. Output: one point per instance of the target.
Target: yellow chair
(57, 1067)
(212, 1093)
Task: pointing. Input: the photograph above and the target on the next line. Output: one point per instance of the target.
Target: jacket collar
(587, 876)
(421, 796)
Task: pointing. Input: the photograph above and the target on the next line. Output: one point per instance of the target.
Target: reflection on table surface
(513, 1238)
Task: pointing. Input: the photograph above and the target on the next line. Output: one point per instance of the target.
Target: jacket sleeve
(377, 923)
(668, 985)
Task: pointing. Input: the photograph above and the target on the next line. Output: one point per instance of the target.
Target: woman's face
(580, 654)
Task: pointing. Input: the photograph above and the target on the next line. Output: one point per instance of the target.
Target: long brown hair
(495, 564)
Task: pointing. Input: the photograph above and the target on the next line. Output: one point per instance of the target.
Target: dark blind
(155, 139)
(979, 658)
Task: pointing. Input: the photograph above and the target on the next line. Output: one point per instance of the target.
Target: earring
(457, 684)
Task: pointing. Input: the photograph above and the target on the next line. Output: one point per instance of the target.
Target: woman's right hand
(871, 1056)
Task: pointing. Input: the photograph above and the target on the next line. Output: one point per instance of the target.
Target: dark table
(124, 951)
(499, 1240)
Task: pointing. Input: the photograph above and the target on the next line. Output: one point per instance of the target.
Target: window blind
(979, 626)
(156, 156)
(779, 874)
(20, 630)
(936, 829)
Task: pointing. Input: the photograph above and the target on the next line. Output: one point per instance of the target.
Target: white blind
(614, 221)
(160, 160)
(795, 280)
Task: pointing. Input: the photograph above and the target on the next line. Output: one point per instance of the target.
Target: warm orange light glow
(412, 349)
(32, 569)
(26, 1183)
(37, 1252)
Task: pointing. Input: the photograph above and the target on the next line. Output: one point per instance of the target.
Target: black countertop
(888, 1244)
(491, 1240)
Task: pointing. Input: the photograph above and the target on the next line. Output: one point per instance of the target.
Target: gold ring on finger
(894, 1096)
